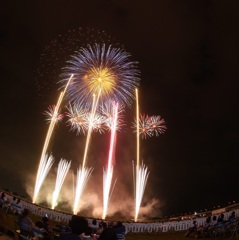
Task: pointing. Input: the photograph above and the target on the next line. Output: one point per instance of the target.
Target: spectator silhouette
(191, 229)
(78, 226)
(108, 233)
(120, 231)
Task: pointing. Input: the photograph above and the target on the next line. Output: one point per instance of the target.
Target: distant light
(195, 213)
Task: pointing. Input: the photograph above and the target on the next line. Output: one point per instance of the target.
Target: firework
(63, 168)
(83, 172)
(107, 175)
(157, 125)
(101, 68)
(80, 119)
(43, 169)
(107, 110)
(53, 115)
(104, 73)
(146, 127)
(142, 174)
(150, 126)
(97, 122)
(141, 171)
(77, 119)
(48, 138)
(83, 175)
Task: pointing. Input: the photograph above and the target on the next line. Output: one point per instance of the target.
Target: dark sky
(188, 55)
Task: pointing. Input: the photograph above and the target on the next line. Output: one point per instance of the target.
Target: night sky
(188, 54)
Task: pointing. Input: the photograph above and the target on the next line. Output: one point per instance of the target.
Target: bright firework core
(103, 79)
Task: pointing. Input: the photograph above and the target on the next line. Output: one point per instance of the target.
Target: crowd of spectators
(78, 229)
(212, 225)
(81, 230)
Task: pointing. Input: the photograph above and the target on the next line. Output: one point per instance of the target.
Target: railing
(152, 227)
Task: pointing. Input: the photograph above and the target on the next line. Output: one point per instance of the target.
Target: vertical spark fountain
(63, 168)
(141, 171)
(43, 160)
(108, 174)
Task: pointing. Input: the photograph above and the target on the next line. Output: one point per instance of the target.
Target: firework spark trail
(39, 179)
(107, 111)
(44, 167)
(63, 168)
(51, 116)
(107, 175)
(94, 107)
(137, 133)
(142, 174)
(141, 171)
(83, 175)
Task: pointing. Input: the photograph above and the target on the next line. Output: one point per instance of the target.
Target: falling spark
(107, 175)
(83, 175)
(47, 140)
(63, 168)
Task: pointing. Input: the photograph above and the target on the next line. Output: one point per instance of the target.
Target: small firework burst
(52, 114)
(157, 125)
(81, 119)
(77, 119)
(97, 122)
(107, 110)
(143, 126)
(150, 126)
